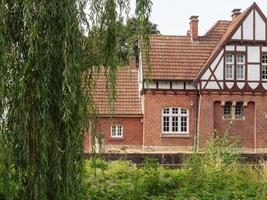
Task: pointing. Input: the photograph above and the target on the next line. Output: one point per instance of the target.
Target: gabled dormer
(239, 62)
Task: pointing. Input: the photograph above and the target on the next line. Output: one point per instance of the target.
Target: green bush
(216, 174)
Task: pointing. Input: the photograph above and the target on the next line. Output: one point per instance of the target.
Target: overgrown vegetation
(45, 103)
(217, 174)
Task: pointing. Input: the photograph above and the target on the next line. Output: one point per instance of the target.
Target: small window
(239, 110)
(229, 66)
(240, 66)
(175, 121)
(116, 131)
(264, 67)
(228, 110)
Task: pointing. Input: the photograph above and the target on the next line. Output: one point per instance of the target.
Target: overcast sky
(172, 16)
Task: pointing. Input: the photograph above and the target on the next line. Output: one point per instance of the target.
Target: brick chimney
(235, 13)
(194, 27)
(132, 62)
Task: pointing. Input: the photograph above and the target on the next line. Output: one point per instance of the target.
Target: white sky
(172, 16)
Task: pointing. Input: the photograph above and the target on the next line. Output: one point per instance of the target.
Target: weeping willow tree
(45, 48)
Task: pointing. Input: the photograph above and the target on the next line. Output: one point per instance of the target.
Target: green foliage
(215, 174)
(43, 55)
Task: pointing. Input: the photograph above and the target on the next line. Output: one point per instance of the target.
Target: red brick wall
(243, 128)
(253, 129)
(132, 131)
(154, 103)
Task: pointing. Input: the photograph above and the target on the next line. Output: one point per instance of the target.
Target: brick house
(198, 84)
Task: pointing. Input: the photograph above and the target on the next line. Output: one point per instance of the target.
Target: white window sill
(116, 138)
(178, 135)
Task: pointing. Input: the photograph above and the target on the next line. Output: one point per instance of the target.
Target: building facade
(198, 84)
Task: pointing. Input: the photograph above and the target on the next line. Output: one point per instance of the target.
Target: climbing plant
(48, 53)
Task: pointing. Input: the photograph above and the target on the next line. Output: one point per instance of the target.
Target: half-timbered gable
(238, 62)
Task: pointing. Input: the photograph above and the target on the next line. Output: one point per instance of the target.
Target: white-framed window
(229, 66)
(264, 67)
(240, 67)
(116, 131)
(175, 121)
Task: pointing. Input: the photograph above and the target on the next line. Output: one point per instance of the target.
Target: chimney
(132, 62)
(194, 27)
(235, 13)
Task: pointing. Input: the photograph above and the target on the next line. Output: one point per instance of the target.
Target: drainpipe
(196, 137)
(255, 128)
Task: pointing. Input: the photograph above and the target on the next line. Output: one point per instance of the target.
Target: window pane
(228, 110)
(229, 58)
(239, 110)
(174, 124)
(183, 111)
(264, 67)
(166, 111)
(240, 59)
(229, 71)
(175, 111)
(240, 72)
(264, 59)
(166, 124)
(264, 72)
(113, 131)
(119, 130)
(183, 124)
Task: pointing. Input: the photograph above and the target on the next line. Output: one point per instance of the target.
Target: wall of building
(243, 129)
(132, 133)
(153, 104)
(253, 129)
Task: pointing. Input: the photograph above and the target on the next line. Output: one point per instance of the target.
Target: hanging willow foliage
(44, 109)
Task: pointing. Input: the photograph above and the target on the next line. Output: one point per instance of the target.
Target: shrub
(216, 174)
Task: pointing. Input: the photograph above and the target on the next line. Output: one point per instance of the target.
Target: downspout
(196, 137)
(255, 129)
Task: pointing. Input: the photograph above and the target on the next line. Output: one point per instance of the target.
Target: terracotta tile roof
(178, 58)
(127, 96)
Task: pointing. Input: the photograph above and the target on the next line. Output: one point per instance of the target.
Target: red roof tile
(178, 58)
(127, 96)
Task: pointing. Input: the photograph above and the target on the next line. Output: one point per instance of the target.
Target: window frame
(230, 116)
(170, 115)
(232, 64)
(241, 115)
(116, 131)
(263, 67)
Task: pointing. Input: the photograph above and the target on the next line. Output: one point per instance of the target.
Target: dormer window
(240, 67)
(229, 66)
